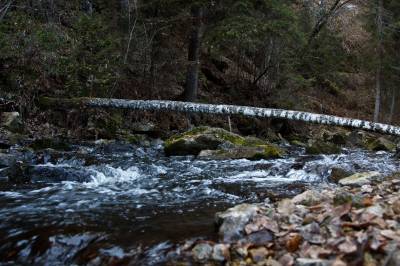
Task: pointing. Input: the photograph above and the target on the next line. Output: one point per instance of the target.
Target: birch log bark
(189, 107)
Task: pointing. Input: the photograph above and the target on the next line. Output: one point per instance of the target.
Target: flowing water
(122, 203)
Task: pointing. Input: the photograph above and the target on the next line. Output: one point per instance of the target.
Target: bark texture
(188, 107)
(192, 77)
(378, 79)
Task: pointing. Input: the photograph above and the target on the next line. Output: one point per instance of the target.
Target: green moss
(298, 143)
(187, 134)
(321, 147)
(270, 151)
(205, 138)
(232, 138)
(134, 138)
(380, 144)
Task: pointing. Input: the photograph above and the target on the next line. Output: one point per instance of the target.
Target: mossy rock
(251, 153)
(381, 144)
(298, 143)
(360, 139)
(322, 147)
(201, 138)
(338, 137)
(55, 144)
(206, 138)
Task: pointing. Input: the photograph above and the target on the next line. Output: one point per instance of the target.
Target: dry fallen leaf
(348, 247)
(293, 243)
(390, 234)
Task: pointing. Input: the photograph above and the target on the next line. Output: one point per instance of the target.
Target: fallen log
(221, 109)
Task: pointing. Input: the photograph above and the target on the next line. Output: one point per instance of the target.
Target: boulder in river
(322, 147)
(370, 141)
(216, 139)
(266, 151)
(381, 144)
(360, 179)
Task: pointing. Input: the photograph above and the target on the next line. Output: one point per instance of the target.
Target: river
(115, 202)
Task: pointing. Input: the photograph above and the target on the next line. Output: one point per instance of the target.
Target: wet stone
(260, 238)
(233, 221)
(7, 159)
(258, 254)
(312, 233)
(338, 173)
(360, 179)
(312, 262)
(220, 252)
(202, 251)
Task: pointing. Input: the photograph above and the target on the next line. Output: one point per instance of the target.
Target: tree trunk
(392, 106)
(378, 85)
(192, 77)
(188, 107)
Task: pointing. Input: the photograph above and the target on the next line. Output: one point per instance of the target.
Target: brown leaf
(293, 243)
(341, 210)
(367, 201)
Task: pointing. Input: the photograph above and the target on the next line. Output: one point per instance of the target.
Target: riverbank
(357, 224)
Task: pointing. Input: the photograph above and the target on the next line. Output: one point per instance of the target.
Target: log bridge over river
(189, 107)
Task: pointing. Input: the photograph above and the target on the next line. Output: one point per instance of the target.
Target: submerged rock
(322, 147)
(359, 179)
(218, 143)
